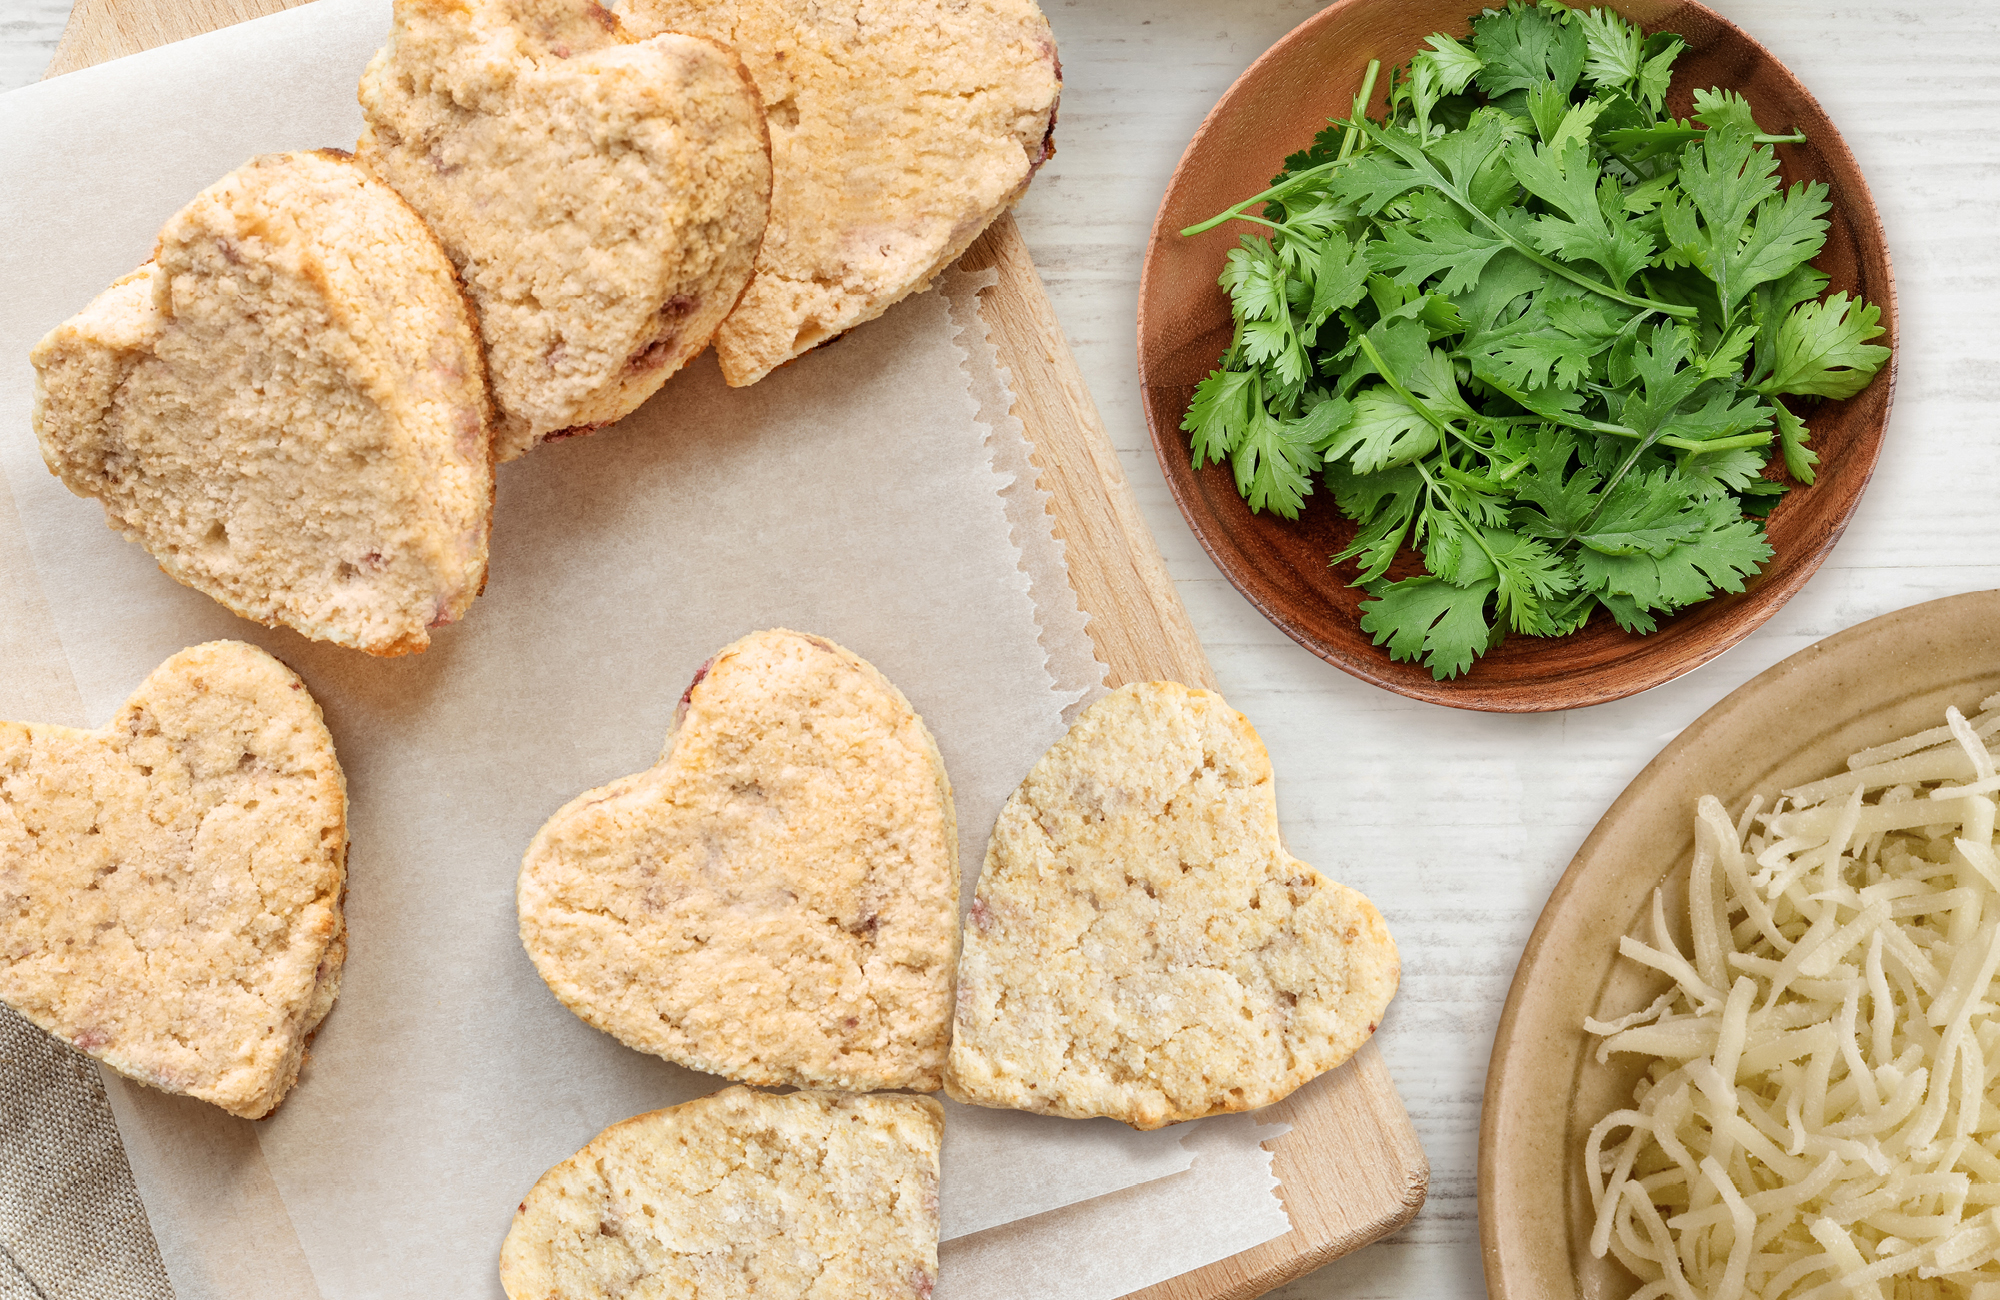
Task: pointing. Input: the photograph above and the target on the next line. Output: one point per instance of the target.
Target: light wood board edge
(110, 29)
(1351, 1169)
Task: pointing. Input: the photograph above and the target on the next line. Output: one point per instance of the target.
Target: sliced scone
(776, 900)
(170, 886)
(1141, 945)
(603, 198)
(740, 1196)
(286, 407)
(899, 130)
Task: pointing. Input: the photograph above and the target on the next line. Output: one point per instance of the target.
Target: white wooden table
(1458, 824)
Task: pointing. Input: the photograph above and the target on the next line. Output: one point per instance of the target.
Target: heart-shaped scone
(899, 130)
(286, 407)
(603, 198)
(740, 1196)
(1141, 945)
(776, 900)
(170, 886)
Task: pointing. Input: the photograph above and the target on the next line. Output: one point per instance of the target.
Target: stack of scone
(297, 404)
(775, 902)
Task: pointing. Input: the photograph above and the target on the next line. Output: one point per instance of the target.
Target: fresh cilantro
(1533, 330)
(1823, 349)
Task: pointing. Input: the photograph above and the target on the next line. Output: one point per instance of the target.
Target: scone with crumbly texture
(1141, 945)
(740, 1196)
(286, 407)
(899, 130)
(775, 901)
(604, 199)
(170, 886)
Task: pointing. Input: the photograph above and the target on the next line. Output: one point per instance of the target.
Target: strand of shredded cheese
(1815, 1122)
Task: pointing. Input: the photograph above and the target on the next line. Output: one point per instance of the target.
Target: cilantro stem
(1360, 109)
(1347, 141)
(1277, 226)
(1759, 439)
(1237, 213)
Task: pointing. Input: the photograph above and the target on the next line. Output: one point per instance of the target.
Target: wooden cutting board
(1351, 1168)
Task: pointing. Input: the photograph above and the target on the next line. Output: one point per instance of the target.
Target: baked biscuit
(286, 407)
(776, 900)
(899, 130)
(740, 1196)
(603, 199)
(170, 886)
(1141, 945)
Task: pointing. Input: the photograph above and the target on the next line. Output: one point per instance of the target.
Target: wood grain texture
(110, 29)
(1352, 1168)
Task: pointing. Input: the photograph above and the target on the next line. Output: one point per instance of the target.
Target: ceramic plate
(1544, 1089)
(1281, 566)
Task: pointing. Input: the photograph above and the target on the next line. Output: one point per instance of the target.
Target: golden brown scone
(775, 901)
(604, 199)
(1142, 946)
(740, 1196)
(170, 886)
(286, 407)
(899, 130)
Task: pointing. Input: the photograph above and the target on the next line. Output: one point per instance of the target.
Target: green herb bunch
(1536, 330)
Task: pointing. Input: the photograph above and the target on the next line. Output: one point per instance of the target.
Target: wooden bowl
(1793, 723)
(1282, 566)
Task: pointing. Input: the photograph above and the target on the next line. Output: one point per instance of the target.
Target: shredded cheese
(1814, 1123)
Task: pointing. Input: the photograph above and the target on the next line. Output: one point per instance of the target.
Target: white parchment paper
(869, 493)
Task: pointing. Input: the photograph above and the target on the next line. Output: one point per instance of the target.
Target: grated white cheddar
(1815, 1123)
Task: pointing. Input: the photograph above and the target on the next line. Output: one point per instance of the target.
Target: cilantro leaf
(1628, 613)
(1656, 72)
(1823, 349)
(1792, 434)
(1384, 431)
(1718, 108)
(1644, 514)
(1726, 550)
(1565, 503)
(1325, 147)
(1504, 278)
(1789, 232)
(1219, 416)
(1439, 246)
(1665, 380)
(1616, 48)
(1455, 64)
(1274, 463)
(1733, 469)
(1429, 618)
(1770, 303)
(1372, 182)
(1341, 277)
(1721, 416)
(1519, 48)
(1567, 178)
(1384, 505)
(1552, 342)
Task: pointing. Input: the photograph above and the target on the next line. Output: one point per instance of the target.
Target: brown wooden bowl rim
(1604, 683)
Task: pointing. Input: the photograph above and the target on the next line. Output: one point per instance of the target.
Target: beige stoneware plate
(1544, 1089)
